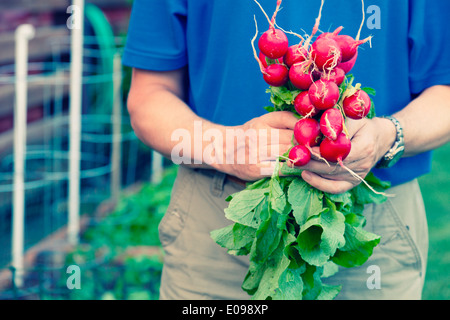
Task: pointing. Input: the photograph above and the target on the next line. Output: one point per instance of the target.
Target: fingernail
(306, 175)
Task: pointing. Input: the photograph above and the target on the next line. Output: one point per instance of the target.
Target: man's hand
(371, 139)
(266, 138)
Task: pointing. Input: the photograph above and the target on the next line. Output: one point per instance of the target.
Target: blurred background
(124, 187)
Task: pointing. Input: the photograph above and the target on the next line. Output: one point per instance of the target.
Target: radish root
(289, 161)
(265, 14)
(316, 26)
(364, 181)
(362, 22)
(318, 156)
(255, 54)
(293, 33)
(272, 21)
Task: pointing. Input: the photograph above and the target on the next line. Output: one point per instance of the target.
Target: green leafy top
(295, 234)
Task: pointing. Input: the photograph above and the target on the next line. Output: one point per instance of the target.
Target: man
(194, 66)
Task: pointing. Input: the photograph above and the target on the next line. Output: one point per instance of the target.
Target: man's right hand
(256, 145)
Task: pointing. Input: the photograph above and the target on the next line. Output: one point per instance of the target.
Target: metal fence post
(76, 77)
(23, 34)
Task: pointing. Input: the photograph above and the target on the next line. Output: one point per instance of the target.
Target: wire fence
(112, 158)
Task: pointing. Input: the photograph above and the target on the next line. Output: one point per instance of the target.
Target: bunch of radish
(293, 233)
(316, 69)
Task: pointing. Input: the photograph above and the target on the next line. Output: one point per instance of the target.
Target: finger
(335, 171)
(321, 167)
(356, 160)
(320, 163)
(353, 126)
(272, 152)
(281, 119)
(340, 177)
(360, 152)
(274, 137)
(285, 136)
(326, 185)
(266, 168)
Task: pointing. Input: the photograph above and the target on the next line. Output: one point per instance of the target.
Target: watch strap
(396, 151)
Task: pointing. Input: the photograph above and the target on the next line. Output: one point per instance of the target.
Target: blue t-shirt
(410, 52)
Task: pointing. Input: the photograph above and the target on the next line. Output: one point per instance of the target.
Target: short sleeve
(156, 38)
(429, 40)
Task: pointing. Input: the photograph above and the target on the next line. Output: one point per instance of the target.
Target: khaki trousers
(197, 268)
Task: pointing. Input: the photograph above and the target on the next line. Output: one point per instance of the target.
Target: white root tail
(364, 181)
(289, 161)
(318, 156)
(316, 26)
(362, 22)
(265, 14)
(272, 22)
(255, 54)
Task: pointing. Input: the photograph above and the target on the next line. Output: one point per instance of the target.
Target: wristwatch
(395, 153)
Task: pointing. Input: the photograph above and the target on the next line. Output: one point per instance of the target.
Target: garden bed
(119, 255)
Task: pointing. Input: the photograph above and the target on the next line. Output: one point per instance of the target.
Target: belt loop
(217, 184)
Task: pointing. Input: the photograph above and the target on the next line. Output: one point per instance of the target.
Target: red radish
(316, 75)
(276, 75)
(304, 106)
(357, 106)
(335, 150)
(294, 54)
(300, 75)
(324, 94)
(348, 46)
(273, 43)
(331, 123)
(348, 65)
(307, 132)
(337, 75)
(299, 155)
(262, 57)
(326, 53)
(331, 34)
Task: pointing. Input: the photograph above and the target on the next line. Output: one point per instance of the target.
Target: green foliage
(282, 98)
(295, 235)
(135, 218)
(108, 271)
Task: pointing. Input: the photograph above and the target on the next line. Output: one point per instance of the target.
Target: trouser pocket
(395, 220)
(175, 217)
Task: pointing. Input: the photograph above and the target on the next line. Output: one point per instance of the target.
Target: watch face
(395, 156)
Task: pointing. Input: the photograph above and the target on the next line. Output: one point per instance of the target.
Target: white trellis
(69, 170)
(76, 75)
(23, 34)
